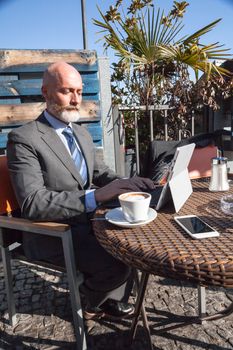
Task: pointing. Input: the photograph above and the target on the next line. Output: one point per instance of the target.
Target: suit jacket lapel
(50, 137)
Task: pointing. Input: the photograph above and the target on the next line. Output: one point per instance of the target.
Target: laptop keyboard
(155, 194)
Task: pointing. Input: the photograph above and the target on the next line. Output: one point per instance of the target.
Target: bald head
(57, 71)
(62, 90)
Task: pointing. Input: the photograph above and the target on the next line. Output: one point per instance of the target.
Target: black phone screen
(195, 225)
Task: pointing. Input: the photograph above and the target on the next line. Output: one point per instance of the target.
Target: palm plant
(147, 42)
(153, 59)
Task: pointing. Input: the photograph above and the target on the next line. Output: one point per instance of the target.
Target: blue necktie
(76, 153)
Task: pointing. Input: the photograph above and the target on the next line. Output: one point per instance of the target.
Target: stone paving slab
(45, 320)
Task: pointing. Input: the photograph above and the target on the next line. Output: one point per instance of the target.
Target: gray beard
(66, 115)
(69, 116)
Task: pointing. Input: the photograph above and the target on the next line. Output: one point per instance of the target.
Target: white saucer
(116, 217)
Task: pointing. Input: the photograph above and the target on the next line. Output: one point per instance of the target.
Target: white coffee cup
(135, 205)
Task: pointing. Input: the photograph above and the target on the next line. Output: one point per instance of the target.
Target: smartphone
(196, 227)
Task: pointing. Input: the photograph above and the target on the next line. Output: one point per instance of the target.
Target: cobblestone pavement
(45, 321)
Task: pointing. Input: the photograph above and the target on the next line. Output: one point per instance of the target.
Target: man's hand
(117, 187)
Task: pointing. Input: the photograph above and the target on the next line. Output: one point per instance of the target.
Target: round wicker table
(164, 249)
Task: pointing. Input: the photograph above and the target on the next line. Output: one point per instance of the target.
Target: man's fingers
(143, 183)
(149, 183)
(134, 188)
(117, 187)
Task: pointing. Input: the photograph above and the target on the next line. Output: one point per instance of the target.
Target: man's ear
(44, 91)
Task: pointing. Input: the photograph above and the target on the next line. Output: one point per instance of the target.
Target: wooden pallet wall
(21, 100)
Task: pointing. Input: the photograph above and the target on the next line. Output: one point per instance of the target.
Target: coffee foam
(134, 197)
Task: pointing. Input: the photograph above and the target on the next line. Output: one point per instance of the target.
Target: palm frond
(149, 40)
(196, 59)
(201, 32)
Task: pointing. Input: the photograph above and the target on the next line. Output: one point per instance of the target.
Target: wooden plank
(9, 78)
(17, 114)
(9, 101)
(3, 140)
(32, 87)
(94, 129)
(21, 87)
(91, 97)
(92, 74)
(39, 98)
(40, 68)
(10, 59)
(6, 92)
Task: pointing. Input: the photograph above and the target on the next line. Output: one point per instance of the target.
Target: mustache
(59, 108)
(70, 108)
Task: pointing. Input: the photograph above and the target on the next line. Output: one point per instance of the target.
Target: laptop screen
(177, 169)
(178, 186)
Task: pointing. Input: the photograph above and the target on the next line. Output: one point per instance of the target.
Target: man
(52, 166)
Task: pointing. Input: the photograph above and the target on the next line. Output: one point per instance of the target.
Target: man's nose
(76, 98)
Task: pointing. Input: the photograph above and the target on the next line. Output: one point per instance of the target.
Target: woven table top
(163, 248)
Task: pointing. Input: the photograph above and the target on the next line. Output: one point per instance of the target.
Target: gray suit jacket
(46, 182)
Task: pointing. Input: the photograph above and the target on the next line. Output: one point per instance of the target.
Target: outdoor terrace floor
(45, 320)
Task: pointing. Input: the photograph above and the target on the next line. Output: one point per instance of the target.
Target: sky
(56, 24)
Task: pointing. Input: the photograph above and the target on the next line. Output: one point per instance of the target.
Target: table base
(186, 320)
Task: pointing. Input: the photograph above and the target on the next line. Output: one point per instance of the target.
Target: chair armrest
(47, 228)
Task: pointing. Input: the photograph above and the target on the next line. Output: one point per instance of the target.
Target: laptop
(178, 186)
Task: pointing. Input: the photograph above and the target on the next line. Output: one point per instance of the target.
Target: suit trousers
(104, 276)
